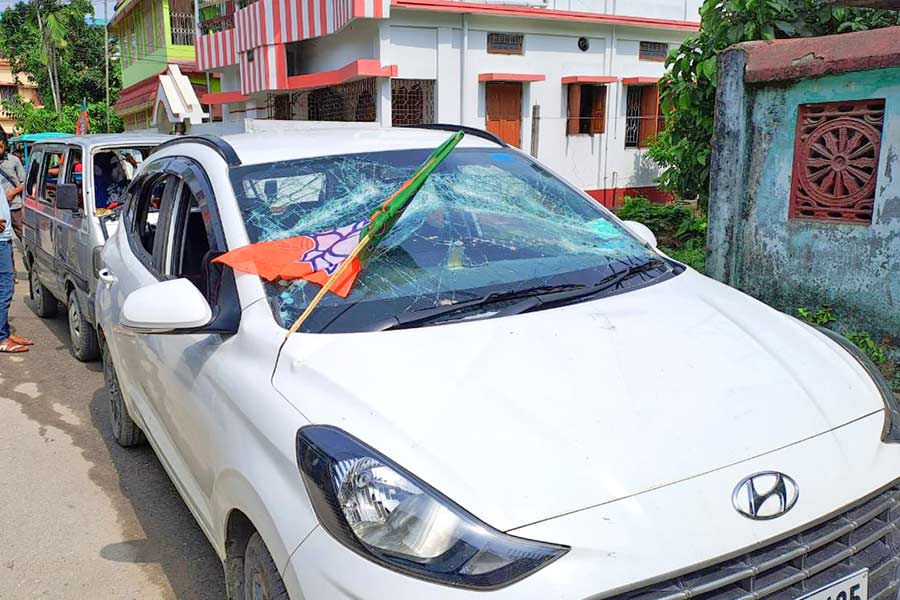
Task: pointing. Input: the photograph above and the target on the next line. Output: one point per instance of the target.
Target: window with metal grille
(353, 101)
(412, 101)
(643, 118)
(655, 51)
(181, 22)
(506, 43)
(836, 152)
(587, 109)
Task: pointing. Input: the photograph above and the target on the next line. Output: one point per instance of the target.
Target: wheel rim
(74, 320)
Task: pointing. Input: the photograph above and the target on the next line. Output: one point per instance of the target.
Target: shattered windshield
(487, 220)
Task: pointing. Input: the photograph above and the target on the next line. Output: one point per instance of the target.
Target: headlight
(891, 432)
(379, 510)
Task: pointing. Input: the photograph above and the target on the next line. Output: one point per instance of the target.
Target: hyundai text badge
(765, 495)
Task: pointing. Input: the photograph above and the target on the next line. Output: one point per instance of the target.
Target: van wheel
(261, 578)
(84, 338)
(44, 302)
(126, 431)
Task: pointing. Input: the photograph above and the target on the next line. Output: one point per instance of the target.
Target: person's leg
(6, 288)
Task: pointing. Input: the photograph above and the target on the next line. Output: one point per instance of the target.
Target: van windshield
(487, 220)
(113, 169)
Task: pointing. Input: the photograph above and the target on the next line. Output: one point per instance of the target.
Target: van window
(34, 169)
(74, 172)
(53, 161)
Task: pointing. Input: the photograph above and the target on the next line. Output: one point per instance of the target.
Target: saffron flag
(81, 126)
(317, 256)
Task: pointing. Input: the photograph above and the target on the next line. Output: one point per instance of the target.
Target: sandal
(8, 346)
(20, 340)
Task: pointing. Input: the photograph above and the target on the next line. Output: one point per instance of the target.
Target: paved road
(81, 517)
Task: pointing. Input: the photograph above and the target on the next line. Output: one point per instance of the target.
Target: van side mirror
(67, 196)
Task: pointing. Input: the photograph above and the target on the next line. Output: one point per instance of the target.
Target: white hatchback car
(520, 398)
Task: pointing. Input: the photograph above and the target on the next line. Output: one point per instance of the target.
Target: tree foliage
(35, 120)
(64, 38)
(688, 89)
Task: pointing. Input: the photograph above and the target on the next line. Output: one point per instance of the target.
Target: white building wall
(429, 45)
(422, 50)
(676, 10)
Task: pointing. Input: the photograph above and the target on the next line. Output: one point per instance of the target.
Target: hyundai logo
(766, 495)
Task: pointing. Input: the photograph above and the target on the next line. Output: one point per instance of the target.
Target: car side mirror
(169, 306)
(644, 233)
(67, 196)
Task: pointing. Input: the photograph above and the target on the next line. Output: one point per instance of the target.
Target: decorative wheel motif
(836, 160)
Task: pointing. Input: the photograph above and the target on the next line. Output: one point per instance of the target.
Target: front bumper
(644, 544)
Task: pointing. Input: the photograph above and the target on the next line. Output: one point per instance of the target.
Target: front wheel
(124, 429)
(261, 578)
(84, 338)
(44, 302)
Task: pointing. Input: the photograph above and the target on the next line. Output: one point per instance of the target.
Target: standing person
(13, 173)
(9, 343)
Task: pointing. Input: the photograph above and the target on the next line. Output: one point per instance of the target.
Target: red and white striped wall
(216, 50)
(261, 29)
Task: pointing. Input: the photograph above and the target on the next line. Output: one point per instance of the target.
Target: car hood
(523, 418)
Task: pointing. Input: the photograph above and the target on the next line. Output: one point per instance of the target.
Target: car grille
(864, 537)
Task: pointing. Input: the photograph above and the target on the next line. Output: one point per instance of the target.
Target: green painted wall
(753, 245)
(147, 63)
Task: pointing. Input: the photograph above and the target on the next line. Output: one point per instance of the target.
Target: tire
(261, 578)
(124, 429)
(44, 303)
(84, 338)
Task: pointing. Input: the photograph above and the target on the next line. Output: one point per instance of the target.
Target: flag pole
(438, 155)
(328, 285)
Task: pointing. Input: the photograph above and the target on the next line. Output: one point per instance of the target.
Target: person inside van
(110, 179)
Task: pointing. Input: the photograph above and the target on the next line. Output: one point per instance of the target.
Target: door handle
(106, 277)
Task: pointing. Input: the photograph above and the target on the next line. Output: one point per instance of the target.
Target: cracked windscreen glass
(487, 220)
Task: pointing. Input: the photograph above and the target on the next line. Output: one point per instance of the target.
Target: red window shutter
(649, 112)
(598, 110)
(572, 123)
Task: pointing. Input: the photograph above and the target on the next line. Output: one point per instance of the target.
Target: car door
(130, 261)
(48, 219)
(173, 376)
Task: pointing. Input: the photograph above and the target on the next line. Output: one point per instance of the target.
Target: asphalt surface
(81, 517)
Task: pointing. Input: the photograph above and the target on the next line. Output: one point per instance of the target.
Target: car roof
(264, 147)
(110, 139)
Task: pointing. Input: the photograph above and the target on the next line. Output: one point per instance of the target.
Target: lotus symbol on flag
(332, 247)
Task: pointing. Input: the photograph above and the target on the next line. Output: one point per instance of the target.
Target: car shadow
(173, 540)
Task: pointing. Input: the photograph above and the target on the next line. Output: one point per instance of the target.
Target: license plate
(851, 587)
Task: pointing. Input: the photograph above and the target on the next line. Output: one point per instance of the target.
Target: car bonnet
(519, 419)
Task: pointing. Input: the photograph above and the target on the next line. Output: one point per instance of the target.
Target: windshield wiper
(530, 299)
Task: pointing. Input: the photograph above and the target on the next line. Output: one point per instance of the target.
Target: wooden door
(504, 111)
